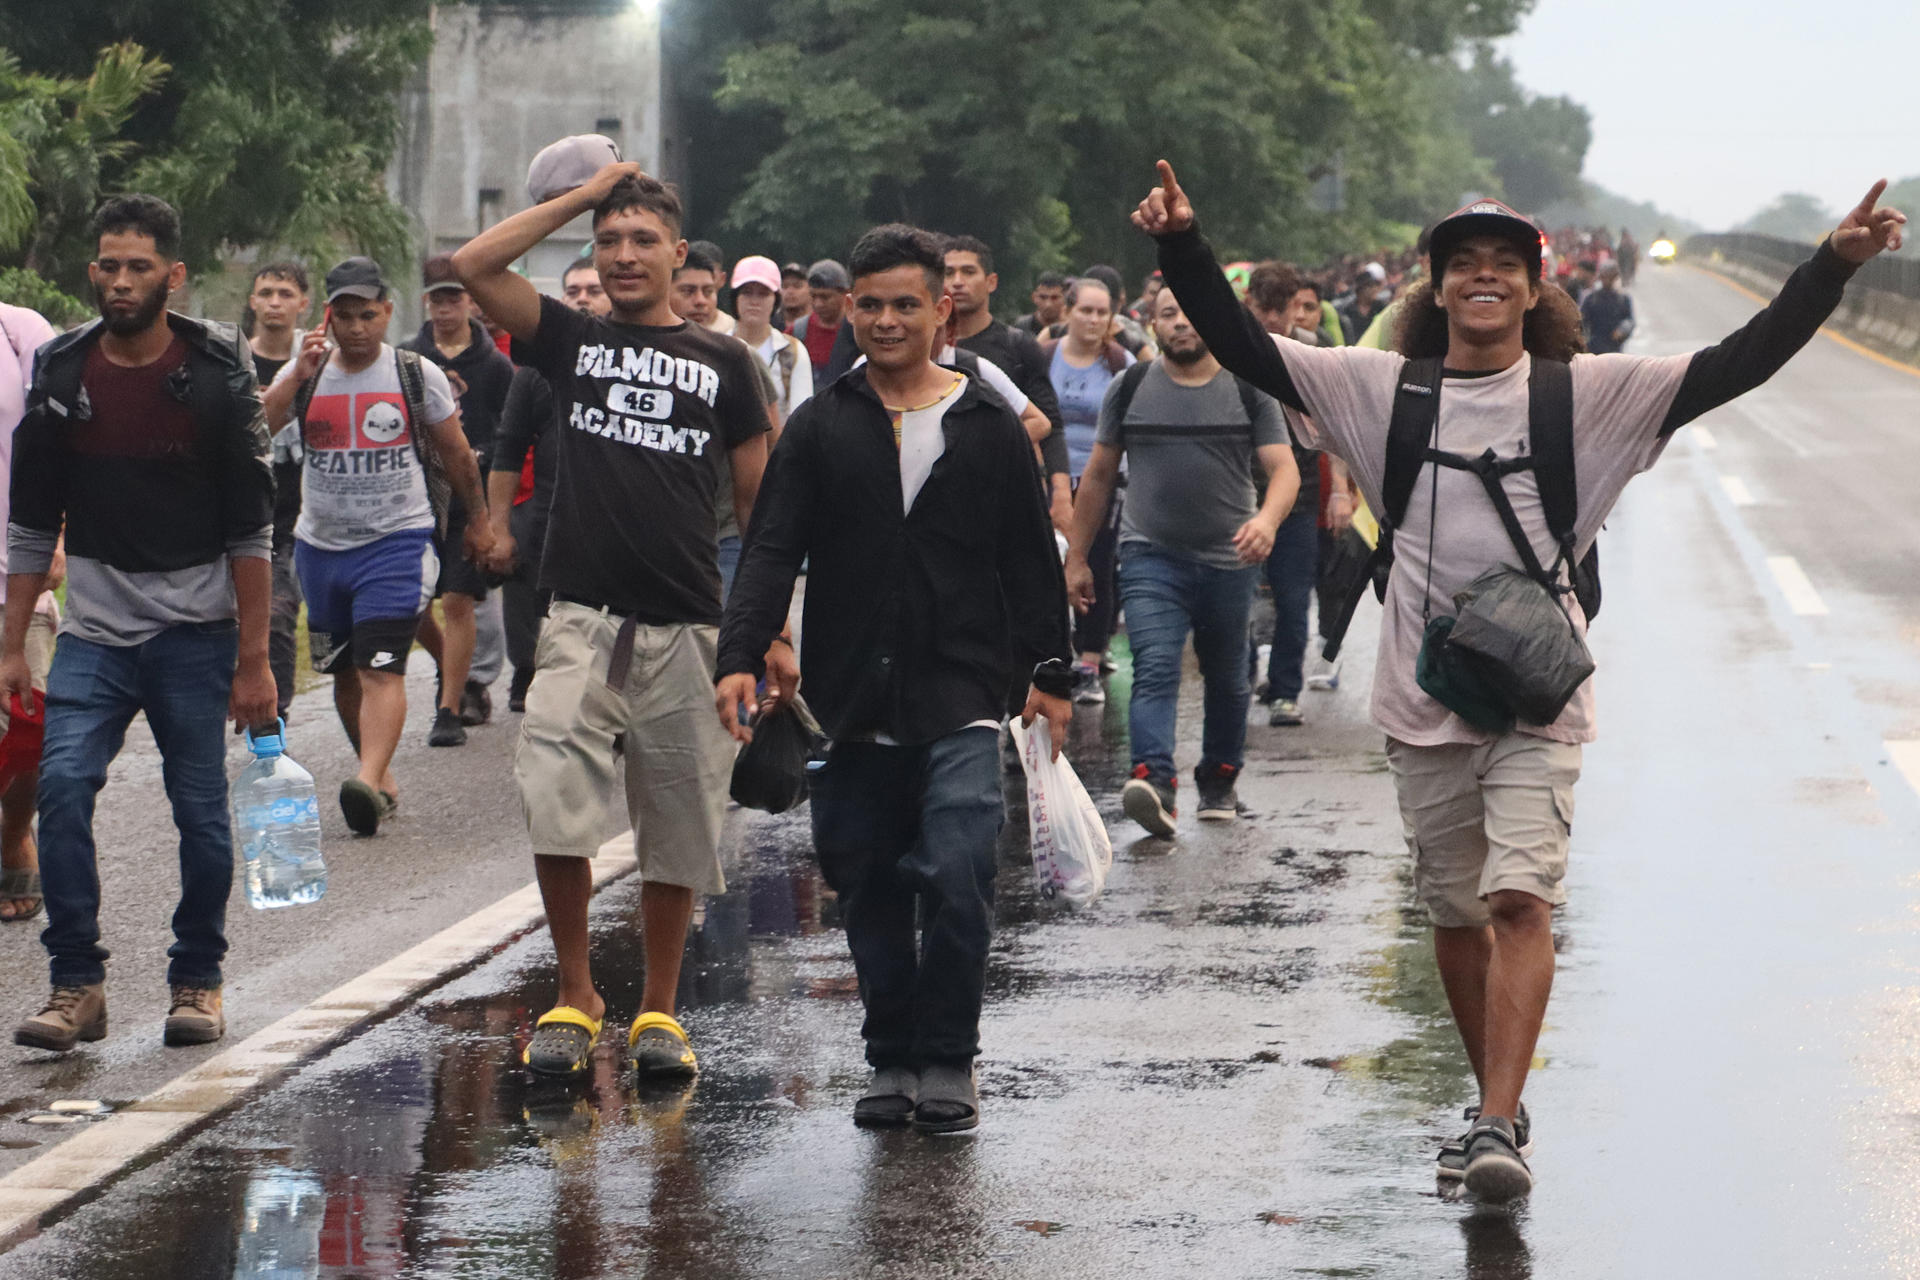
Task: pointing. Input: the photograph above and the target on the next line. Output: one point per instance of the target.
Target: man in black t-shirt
(650, 406)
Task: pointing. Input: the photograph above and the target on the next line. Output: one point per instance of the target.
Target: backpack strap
(1129, 387)
(1416, 408)
(413, 391)
(1550, 438)
(785, 358)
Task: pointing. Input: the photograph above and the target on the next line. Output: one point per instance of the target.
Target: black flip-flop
(889, 1100)
(948, 1101)
(19, 884)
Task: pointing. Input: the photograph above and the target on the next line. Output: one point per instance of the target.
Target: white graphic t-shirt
(362, 480)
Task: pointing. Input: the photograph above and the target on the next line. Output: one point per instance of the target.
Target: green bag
(1457, 684)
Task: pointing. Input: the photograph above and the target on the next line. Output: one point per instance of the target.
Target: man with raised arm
(651, 407)
(1487, 813)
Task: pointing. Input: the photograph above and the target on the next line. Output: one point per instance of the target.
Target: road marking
(1737, 491)
(1905, 754)
(75, 1167)
(1703, 438)
(1855, 347)
(1801, 597)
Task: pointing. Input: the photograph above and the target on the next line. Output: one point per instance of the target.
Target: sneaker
(517, 690)
(1149, 801)
(657, 1047)
(1285, 711)
(476, 705)
(194, 1016)
(1089, 692)
(447, 730)
(365, 807)
(1323, 675)
(1496, 1171)
(72, 1014)
(1218, 803)
(1452, 1165)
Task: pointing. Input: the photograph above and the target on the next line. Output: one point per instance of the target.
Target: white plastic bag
(1071, 850)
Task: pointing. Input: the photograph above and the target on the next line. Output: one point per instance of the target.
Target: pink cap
(756, 270)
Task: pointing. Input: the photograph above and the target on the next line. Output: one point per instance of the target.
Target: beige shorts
(678, 760)
(39, 662)
(1484, 818)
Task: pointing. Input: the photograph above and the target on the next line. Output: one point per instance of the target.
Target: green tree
(273, 127)
(1793, 216)
(1536, 145)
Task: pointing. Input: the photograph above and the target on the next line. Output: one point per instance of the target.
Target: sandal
(563, 1040)
(18, 884)
(889, 1100)
(948, 1101)
(657, 1046)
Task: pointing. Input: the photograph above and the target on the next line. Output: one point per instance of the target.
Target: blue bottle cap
(269, 745)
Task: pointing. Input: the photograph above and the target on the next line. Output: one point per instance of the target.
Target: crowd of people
(614, 489)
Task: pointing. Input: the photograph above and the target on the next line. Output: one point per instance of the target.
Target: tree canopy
(1793, 216)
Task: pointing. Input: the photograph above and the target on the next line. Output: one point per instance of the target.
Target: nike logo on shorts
(381, 659)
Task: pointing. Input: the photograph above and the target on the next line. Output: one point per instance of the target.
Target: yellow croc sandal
(562, 1041)
(657, 1046)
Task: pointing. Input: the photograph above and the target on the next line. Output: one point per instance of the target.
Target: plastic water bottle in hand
(276, 823)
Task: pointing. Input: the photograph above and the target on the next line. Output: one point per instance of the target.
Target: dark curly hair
(1551, 331)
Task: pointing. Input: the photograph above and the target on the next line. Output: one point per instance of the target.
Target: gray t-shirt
(1190, 460)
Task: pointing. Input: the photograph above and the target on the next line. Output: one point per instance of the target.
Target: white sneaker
(1090, 695)
(1323, 675)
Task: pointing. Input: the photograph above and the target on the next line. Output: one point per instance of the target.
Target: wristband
(1055, 678)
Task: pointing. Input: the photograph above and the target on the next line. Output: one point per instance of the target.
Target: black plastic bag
(770, 773)
(1519, 640)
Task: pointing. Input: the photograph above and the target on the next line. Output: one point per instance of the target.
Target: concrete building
(502, 83)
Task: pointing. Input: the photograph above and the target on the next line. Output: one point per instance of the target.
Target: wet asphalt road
(1237, 1063)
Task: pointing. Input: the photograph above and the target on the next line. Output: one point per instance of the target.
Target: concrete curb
(79, 1167)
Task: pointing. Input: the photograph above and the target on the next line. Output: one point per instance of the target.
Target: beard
(125, 324)
(1186, 355)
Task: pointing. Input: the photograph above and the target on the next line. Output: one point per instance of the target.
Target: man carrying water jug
(143, 436)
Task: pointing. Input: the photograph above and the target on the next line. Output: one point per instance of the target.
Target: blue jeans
(900, 827)
(1292, 569)
(182, 678)
(729, 565)
(1166, 598)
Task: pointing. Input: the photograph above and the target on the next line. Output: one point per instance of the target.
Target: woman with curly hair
(1488, 814)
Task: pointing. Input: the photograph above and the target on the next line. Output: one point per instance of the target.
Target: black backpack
(1136, 373)
(1416, 407)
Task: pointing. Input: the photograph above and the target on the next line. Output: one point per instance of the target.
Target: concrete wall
(501, 84)
(1887, 322)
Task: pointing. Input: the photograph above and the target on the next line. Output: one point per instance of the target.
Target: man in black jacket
(933, 580)
(143, 440)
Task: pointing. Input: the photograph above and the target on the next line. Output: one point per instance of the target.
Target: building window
(609, 126)
(489, 210)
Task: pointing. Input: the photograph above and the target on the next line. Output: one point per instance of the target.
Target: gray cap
(569, 163)
(828, 274)
(356, 278)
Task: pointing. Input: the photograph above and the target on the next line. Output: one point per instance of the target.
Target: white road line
(1801, 597)
(1737, 491)
(1703, 439)
(1905, 754)
(108, 1146)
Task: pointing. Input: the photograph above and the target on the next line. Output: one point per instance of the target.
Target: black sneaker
(476, 705)
(517, 690)
(1496, 1171)
(447, 730)
(1150, 801)
(1218, 803)
(1452, 1165)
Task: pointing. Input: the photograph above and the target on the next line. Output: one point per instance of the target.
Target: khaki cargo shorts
(1483, 818)
(678, 760)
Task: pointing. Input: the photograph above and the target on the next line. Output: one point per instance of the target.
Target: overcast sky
(1710, 108)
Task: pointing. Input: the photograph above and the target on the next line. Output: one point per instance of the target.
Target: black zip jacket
(149, 514)
(917, 622)
(1724, 371)
(487, 374)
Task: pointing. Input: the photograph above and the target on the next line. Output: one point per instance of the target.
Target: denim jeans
(729, 565)
(900, 827)
(1292, 570)
(182, 678)
(1166, 598)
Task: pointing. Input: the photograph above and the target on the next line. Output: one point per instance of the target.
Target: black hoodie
(487, 374)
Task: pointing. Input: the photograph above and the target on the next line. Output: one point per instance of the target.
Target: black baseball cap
(1482, 218)
(793, 271)
(358, 278)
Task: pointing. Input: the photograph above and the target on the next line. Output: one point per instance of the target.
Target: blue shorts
(364, 605)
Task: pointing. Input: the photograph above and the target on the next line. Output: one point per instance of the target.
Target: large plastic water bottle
(276, 822)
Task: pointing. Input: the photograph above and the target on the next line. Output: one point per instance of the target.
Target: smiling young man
(364, 419)
(653, 405)
(143, 441)
(1488, 814)
(908, 483)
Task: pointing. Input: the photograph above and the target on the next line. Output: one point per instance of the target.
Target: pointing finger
(1873, 197)
(1171, 184)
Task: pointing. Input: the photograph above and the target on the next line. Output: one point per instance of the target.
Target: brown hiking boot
(195, 1016)
(72, 1014)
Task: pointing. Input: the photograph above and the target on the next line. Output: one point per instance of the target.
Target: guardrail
(1887, 273)
(1882, 304)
